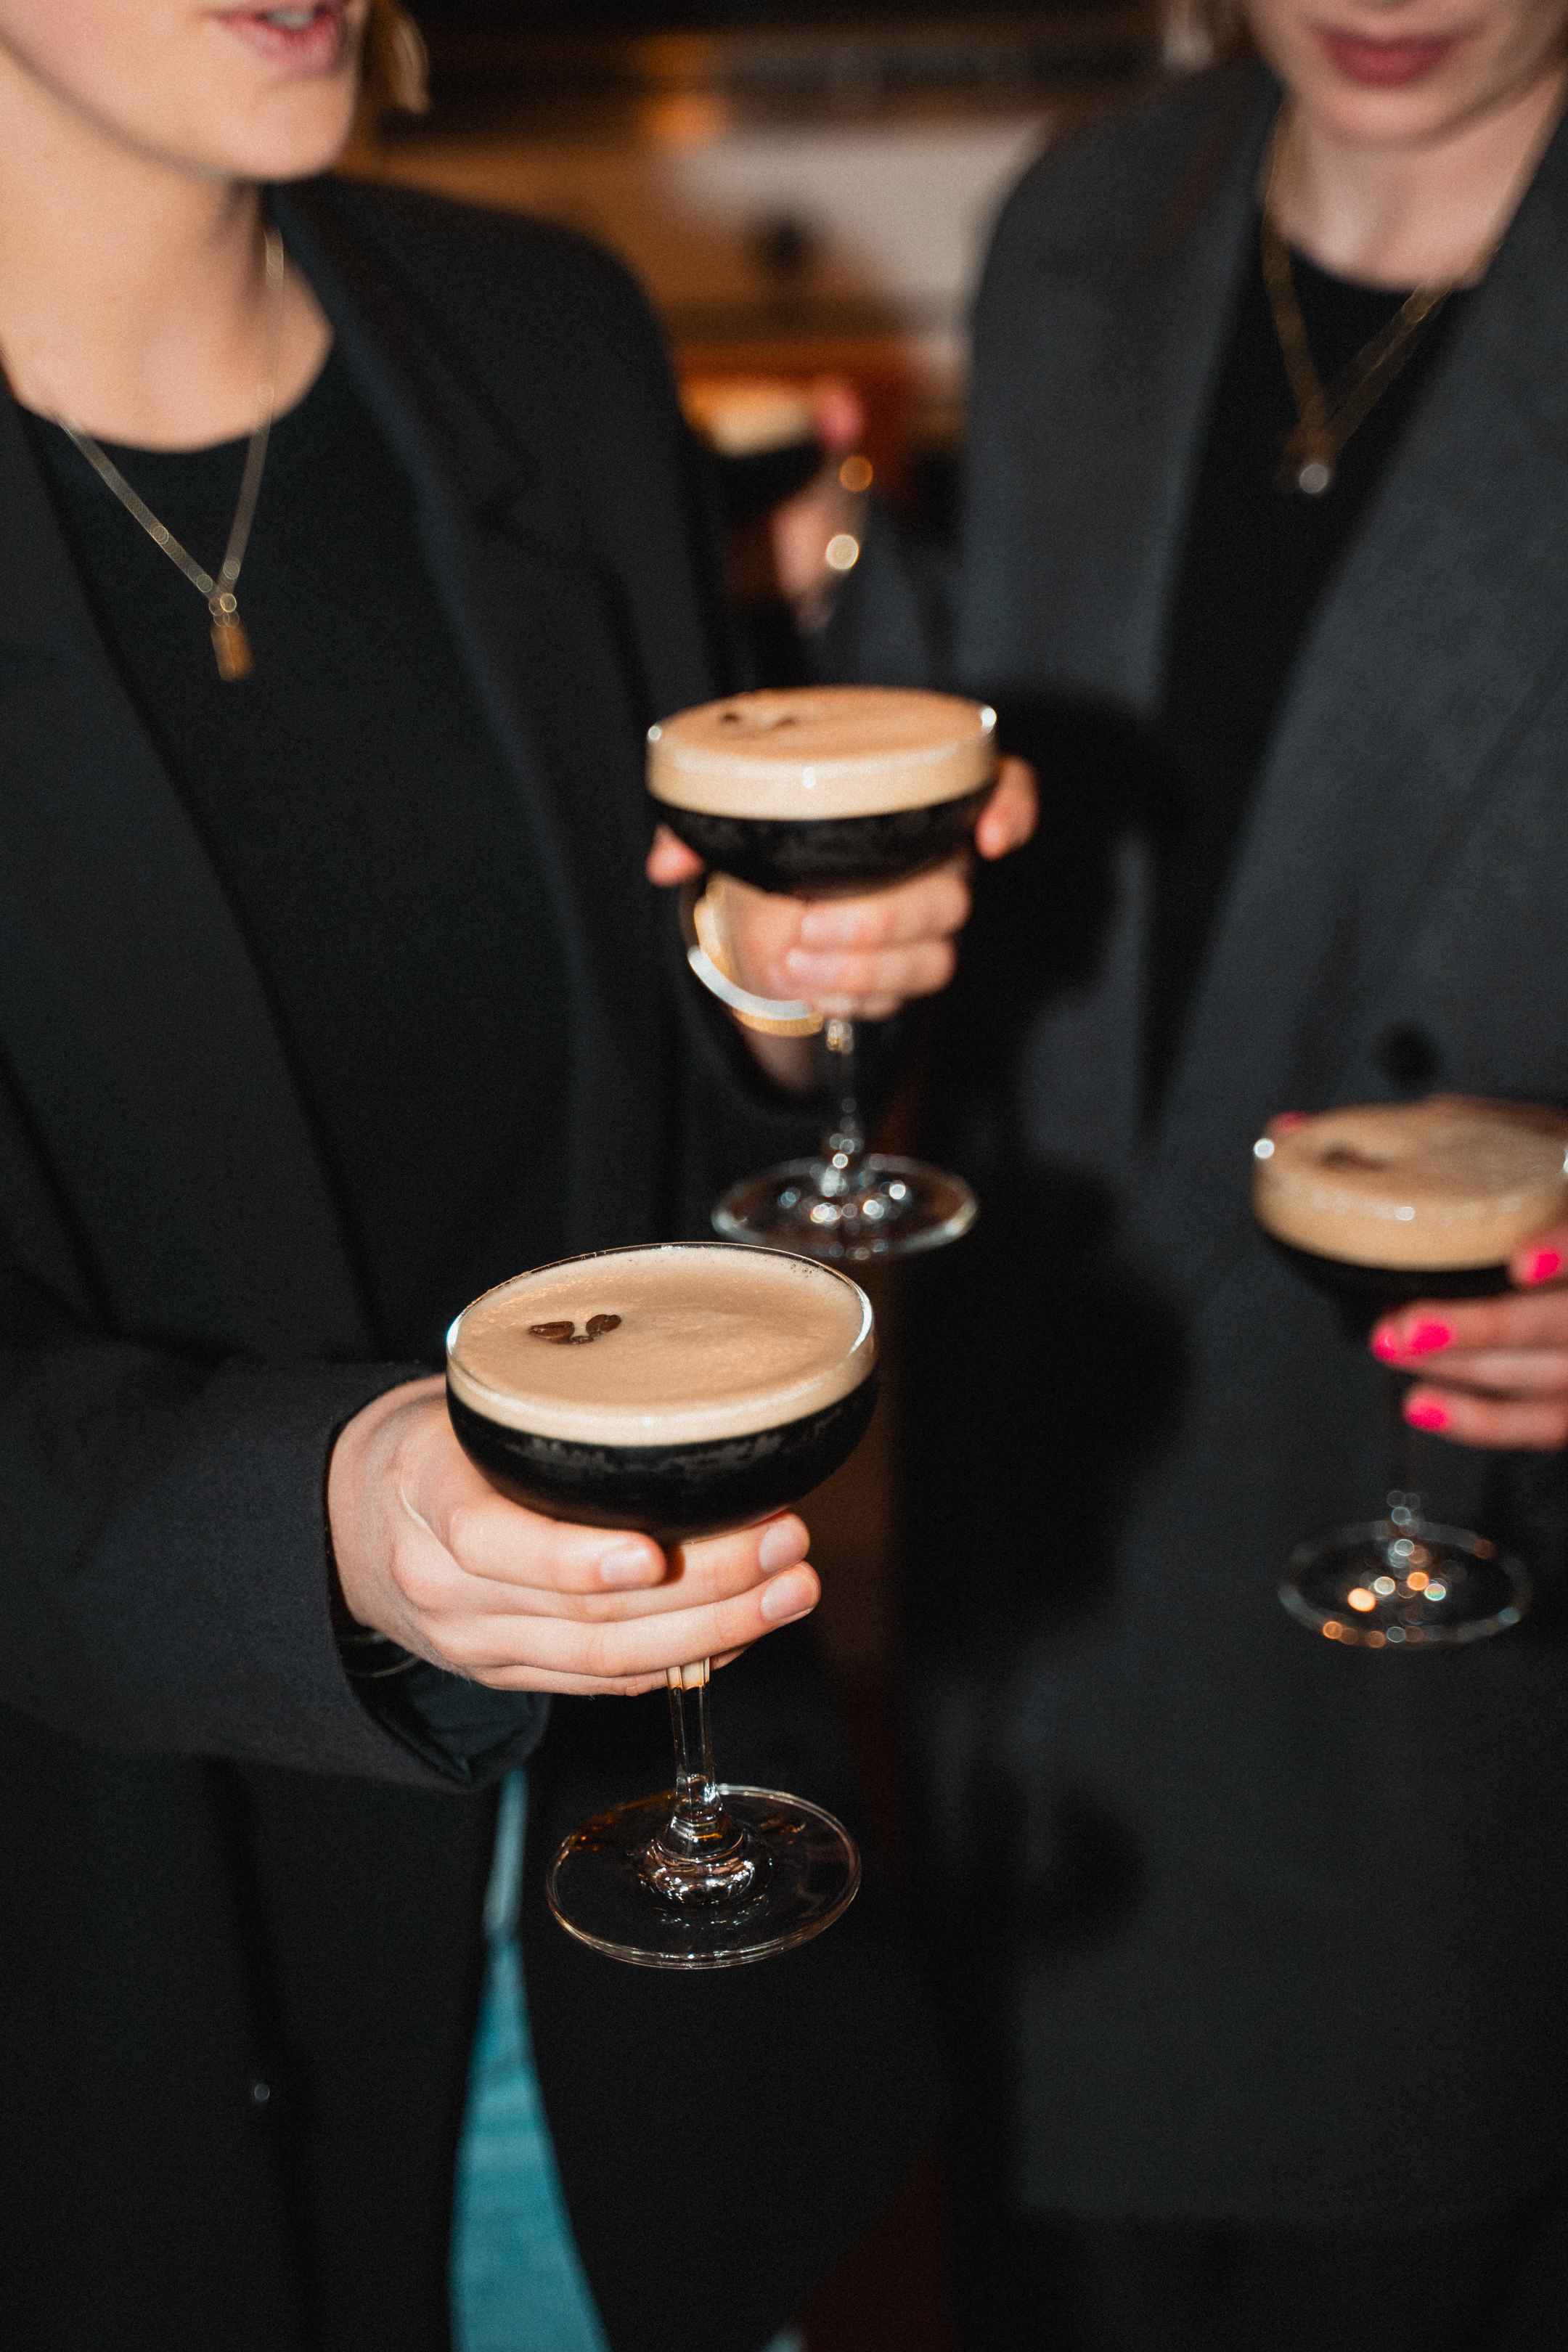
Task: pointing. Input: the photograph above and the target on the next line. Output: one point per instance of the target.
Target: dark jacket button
(1407, 1056)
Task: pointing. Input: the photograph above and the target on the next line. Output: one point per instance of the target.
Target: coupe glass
(678, 1390)
(1458, 1184)
(822, 793)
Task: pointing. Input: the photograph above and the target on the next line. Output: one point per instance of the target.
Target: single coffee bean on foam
(810, 752)
(1453, 1183)
(824, 789)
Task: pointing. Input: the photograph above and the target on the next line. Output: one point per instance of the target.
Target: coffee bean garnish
(566, 1335)
(761, 722)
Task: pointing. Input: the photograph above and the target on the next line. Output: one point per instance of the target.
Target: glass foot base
(888, 1208)
(1402, 1583)
(808, 1873)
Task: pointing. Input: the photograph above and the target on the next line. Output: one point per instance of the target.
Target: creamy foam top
(1453, 1181)
(713, 1340)
(742, 416)
(822, 751)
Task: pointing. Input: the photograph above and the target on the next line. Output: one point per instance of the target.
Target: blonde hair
(397, 64)
(1197, 32)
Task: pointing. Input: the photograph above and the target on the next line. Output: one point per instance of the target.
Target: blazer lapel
(1065, 605)
(548, 648)
(129, 997)
(1105, 493)
(1445, 629)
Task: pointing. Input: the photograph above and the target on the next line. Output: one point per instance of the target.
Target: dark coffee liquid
(818, 856)
(753, 480)
(669, 1492)
(1365, 1293)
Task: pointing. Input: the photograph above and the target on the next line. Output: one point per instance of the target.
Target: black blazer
(1286, 1921)
(230, 1888)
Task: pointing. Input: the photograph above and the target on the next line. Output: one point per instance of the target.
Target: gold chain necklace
(1327, 414)
(231, 645)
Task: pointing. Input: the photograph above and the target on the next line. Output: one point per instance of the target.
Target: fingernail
(1426, 1416)
(782, 1546)
(792, 1596)
(1286, 1119)
(825, 927)
(628, 1564)
(1386, 1343)
(1543, 1265)
(1428, 1337)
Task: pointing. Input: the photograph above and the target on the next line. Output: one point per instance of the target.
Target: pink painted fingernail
(628, 1565)
(784, 1545)
(1386, 1343)
(1428, 1337)
(1543, 1265)
(1425, 1415)
(792, 1596)
(1285, 1121)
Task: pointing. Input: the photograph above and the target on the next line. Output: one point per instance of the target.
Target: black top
(1255, 561)
(375, 849)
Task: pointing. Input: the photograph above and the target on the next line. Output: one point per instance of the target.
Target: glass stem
(844, 1145)
(1402, 1490)
(700, 1856)
(698, 1812)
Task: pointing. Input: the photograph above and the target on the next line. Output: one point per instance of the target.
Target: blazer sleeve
(164, 1571)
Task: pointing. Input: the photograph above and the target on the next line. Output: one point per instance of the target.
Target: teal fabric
(517, 2283)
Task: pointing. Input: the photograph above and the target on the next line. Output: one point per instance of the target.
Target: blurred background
(803, 186)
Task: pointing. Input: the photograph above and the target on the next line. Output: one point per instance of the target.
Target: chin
(1374, 118)
(293, 137)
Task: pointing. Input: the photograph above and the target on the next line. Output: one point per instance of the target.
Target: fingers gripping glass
(1397, 1181)
(822, 793)
(677, 1391)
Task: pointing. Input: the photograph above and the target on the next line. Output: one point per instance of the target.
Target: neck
(1415, 215)
(137, 309)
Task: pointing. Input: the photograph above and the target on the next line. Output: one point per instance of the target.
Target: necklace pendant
(1307, 465)
(231, 647)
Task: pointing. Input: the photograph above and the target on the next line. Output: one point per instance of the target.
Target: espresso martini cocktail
(816, 792)
(762, 430)
(677, 1391)
(1381, 1205)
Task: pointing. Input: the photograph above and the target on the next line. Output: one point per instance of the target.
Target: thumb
(669, 862)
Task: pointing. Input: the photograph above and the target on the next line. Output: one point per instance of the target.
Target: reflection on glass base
(880, 1208)
(808, 1873)
(1402, 1583)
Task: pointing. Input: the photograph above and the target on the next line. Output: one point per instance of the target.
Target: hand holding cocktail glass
(675, 1390)
(1418, 1218)
(838, 824)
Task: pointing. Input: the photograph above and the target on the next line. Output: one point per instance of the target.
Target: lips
(1385, 65)
(309, 38)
